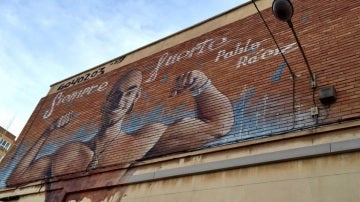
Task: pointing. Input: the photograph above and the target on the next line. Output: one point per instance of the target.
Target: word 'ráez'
(166, 59)
(60, 98)
(264, 54)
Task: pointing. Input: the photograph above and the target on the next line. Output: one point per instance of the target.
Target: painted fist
(191, 80)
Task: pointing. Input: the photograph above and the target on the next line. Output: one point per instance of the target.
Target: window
(4, 144)
(7, 146)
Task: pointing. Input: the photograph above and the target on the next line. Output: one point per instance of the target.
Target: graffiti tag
(82, 78)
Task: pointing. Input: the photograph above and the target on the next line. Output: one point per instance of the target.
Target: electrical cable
(287, 64)
(272, 36)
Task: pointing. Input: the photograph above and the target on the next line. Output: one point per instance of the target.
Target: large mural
(220, 88)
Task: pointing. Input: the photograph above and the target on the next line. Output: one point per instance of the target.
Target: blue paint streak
(145, 95)
(235, 133)
(165, 78)
(76, 115)
(148, 68)
(160, 114)
(239, 107)
(250, 51)
(47, 149)
(7, 170)
(84, 134)
(276, 77)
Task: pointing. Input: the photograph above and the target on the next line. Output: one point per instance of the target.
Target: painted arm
(30, 169)
(214, 116)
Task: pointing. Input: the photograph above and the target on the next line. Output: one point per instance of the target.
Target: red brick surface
(329, 32)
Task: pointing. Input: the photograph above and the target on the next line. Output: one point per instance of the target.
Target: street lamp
(284, 10)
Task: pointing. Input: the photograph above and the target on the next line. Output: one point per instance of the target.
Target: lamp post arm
(312, 76)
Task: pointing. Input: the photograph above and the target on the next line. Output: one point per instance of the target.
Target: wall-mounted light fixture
(327, 95)
(284, 10)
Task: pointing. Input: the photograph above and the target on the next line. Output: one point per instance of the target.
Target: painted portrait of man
(214, 119)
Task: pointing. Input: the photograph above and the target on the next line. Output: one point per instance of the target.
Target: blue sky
(45, 41)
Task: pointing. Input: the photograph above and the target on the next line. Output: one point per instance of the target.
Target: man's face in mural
(122, 97)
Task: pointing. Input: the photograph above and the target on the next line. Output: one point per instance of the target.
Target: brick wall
(244, 66)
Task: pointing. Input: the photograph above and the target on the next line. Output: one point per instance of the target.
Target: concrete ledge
(345, 145)
(285, 155)
(297, 134)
